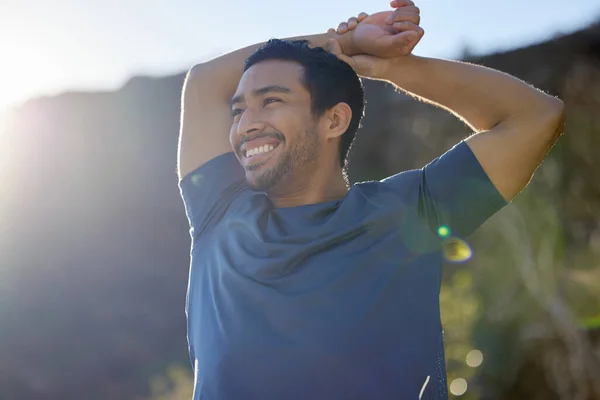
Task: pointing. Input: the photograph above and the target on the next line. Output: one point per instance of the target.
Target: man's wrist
(404, 68)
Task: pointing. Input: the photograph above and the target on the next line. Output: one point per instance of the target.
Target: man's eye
(271, 100)
(235, 112)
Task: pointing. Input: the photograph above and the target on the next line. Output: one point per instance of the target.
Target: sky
(48, 47)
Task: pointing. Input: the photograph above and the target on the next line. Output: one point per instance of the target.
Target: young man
(301, 287)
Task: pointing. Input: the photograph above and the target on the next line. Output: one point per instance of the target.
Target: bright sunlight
(26, 70)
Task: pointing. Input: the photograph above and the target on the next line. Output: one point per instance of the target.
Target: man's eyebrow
(261, 91)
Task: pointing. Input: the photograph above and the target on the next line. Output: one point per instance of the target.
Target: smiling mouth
(257, 151)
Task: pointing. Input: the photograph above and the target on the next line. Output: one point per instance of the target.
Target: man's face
(273, 134)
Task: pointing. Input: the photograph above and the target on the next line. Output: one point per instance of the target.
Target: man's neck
(311, 190)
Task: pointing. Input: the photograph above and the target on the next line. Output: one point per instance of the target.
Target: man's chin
(262, 179)
(256, 180)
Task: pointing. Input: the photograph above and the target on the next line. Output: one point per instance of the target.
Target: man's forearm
(483, 97)
(223, 73)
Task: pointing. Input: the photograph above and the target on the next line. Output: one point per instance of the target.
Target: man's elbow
(550, 117)
(195, 73)
(198, 83)
(207, 79)
(557, 114)
(556, 106)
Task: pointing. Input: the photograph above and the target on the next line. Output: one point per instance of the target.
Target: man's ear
(337, 119)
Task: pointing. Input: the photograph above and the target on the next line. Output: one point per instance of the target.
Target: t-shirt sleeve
(208, 191)
(453, 191)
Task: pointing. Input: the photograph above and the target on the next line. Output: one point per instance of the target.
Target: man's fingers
(405, 42)
(352, 22)
(408, 26)
(401, 3)
(413, 9)
(405, 14)
(342, 27)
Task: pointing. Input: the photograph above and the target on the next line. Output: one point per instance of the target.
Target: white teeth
(258, 150)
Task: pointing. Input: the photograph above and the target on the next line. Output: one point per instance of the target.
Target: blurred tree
(175, 384)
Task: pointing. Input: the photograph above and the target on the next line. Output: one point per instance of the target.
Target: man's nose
(250, 121)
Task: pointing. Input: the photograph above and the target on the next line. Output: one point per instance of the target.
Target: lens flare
(474, 358)
(458, 387)
(456, 250)
(444, 231)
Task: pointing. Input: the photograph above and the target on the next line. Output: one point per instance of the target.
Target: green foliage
(459, 307)
(175, 384)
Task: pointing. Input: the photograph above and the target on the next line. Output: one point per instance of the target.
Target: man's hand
(379, 37)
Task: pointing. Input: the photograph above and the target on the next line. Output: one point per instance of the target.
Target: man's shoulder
(401, 184)
(394, 193)
(209, 190)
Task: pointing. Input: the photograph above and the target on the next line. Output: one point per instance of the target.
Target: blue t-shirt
(337, 300)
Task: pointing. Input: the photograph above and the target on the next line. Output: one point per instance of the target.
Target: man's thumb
(333, 46)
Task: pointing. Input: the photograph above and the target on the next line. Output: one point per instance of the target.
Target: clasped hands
(370, 44)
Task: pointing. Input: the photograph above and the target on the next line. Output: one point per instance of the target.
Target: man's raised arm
(516, 124)
(205, 109)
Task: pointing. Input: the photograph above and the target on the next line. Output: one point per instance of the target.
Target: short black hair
(328, 79)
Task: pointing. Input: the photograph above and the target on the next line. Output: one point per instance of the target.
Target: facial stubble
(303, 153)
